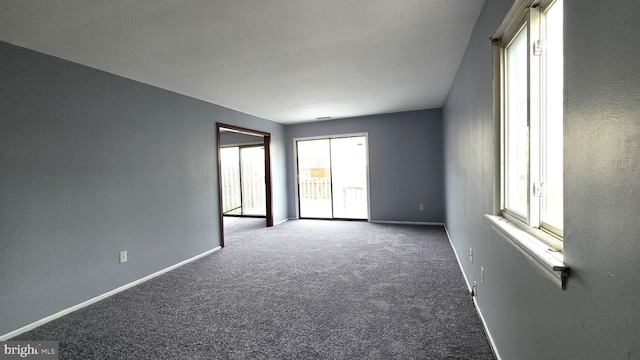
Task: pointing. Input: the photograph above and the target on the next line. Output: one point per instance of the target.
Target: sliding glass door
(243, 181)
(332, 178)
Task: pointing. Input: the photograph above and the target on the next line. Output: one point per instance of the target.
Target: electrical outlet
(482, 275)
(421, 207)
(123, 256)
(471, 254)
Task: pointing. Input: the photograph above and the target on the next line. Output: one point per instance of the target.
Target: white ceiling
(284, 60)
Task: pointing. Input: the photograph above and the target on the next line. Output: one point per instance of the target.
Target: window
(529, 60)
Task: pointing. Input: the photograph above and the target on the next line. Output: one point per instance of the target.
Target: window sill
(549, 263)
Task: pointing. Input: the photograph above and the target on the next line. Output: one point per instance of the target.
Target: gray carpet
(302, 290)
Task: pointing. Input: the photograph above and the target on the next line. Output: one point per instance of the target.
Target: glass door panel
(349, 180)
(231, 190)
(314, 178)
(253, 181)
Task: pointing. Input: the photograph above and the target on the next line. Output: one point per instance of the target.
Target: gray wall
(92, 164)
(405, 162)
(597, 317)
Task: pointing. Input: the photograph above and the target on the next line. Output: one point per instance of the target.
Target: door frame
(337, 136)
(266, 139)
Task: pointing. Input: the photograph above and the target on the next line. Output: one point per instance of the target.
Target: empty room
(301, 179)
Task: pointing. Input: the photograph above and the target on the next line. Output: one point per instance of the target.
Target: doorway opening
(333, 177)
(258, 166)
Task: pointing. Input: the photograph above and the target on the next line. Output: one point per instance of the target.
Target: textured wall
(528, 317)
(405, 162)
(92, 164)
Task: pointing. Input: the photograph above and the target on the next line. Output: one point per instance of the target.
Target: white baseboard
(475, 300)
(406, 222)
(66, 311)
(464, 275)
(486, 331)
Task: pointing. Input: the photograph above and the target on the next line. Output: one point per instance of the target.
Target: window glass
(516, 129)
(552, 210)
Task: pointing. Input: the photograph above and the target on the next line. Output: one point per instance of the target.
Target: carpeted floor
(301, 290)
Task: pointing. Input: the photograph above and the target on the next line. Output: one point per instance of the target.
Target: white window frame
(542, 244)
